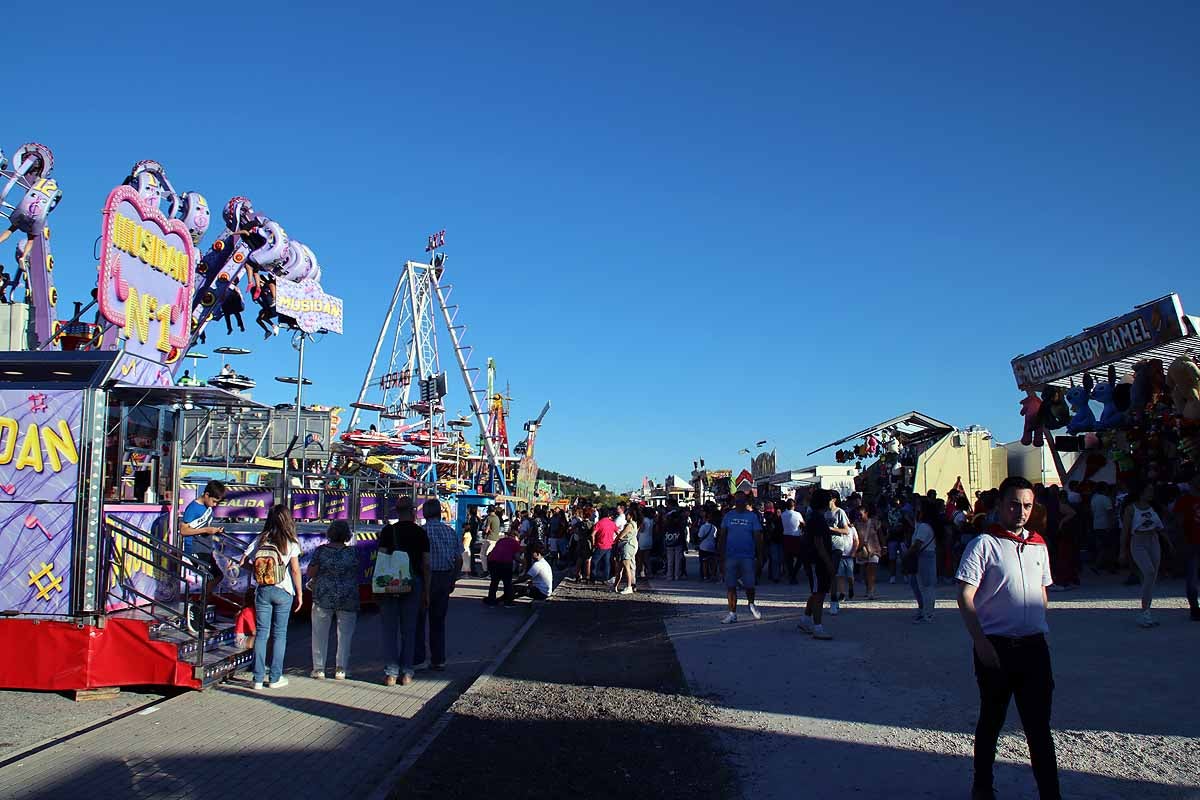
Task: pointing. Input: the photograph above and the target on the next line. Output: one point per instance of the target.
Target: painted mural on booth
(39, 474)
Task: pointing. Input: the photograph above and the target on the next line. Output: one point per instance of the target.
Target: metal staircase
(156, 583)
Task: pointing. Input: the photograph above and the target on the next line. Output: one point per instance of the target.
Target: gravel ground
(592, 701)
(888, 705)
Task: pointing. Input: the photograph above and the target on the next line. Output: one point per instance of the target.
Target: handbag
(392, 573)
(909, 561)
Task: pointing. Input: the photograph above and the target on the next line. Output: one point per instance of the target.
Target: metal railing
(152, 576)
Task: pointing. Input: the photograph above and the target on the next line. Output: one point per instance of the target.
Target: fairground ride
(417, 434)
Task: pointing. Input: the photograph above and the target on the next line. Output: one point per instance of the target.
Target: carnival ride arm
(985, 651)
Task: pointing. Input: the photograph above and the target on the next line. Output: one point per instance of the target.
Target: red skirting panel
(58, 656)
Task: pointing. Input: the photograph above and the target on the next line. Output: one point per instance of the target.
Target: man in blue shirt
(739, 552)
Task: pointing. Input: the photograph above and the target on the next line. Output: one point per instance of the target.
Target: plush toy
(872, 446)
(1183, 378)
(1054, 412)
(1111, 417)
(1082, 417)
(1147, 385)
(1031, 408)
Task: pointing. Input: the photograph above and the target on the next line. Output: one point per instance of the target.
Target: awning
(912, 425)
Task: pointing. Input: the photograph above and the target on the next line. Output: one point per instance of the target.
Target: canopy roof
(906, 427)
(206, 396)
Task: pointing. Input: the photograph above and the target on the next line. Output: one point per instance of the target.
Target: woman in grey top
(334, 570)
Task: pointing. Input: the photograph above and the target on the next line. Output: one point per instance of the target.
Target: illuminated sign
(147, 269)
(307, 303)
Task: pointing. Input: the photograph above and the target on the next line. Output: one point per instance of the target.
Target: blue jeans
(602, 565)
(272, 608)
(775, 554)
(924, 582)
(440, 584)
(400, 615)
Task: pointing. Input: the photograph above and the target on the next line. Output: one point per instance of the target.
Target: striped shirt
(445, 546)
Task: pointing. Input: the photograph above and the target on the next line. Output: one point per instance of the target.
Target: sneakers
(833, 608)
(389, 680)
(406, 679)
(821, 633)
(318, 674)
(339, 675)
(729, 618)
(626, 590)
(754, 612)
(806, 625)
(278, 684)
(258, 685)
(1145, 620)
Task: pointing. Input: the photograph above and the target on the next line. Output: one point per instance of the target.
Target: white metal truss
(417, 303)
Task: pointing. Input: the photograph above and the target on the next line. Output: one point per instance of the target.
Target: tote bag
(392, 573)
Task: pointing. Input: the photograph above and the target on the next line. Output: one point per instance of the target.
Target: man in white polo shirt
(1002, 579)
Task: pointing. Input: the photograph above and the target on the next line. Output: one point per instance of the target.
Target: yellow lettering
(31, 450)
(8, 432)
(139, 310)
(59, 445)
(124, 235)
(145, 249)
(163, 315)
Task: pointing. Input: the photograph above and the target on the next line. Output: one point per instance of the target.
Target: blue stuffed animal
(1082, 417)
(1111, 417)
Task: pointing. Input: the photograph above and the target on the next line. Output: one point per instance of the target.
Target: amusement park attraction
(404, 391)
(95, 588)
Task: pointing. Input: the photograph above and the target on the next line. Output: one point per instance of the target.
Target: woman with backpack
(334, 572)
(275, 556)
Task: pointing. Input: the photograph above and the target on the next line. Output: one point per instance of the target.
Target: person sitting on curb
(538, 581)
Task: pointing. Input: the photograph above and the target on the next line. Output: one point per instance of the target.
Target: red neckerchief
(999, 532)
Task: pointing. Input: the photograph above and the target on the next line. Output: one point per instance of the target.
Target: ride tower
(419, 308)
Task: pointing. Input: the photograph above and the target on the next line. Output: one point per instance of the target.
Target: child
(244, 625)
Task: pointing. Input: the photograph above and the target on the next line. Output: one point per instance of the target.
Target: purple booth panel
(35, 557)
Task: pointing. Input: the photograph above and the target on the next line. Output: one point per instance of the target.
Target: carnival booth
(94, 589)
(1123, 395)
(916, 453)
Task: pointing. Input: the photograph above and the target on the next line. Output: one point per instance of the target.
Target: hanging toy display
(1031, 408)
(1082, 417)
(1105, 392)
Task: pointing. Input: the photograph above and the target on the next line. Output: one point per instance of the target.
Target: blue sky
(692, 227)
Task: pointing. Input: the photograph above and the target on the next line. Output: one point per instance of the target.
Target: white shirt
(708, 537)
(1010, 579)
(924, 533)
(293, 552)
(542, 577)
(1102, 512)
(646, 534)
(792, 521)
(620, 520)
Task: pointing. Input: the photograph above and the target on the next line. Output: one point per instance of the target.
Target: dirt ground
(592, 703)
(888, 708)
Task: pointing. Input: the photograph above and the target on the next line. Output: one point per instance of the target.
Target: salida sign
(147, 268)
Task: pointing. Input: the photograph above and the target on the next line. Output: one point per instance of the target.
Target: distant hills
(570, 486)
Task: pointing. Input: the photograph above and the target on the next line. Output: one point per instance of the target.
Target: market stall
(1124, 395)
(916, 453)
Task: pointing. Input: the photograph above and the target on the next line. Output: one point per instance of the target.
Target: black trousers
(1024, 674)
(500, 571)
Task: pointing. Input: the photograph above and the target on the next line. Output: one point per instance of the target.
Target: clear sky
(692, 227)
